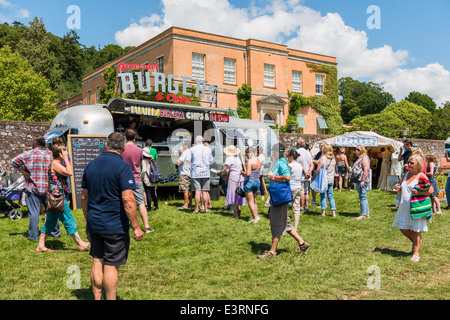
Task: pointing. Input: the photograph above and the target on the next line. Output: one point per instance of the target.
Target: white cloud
(299, 27)
(12, 12)
(329, 35)
(433, 80)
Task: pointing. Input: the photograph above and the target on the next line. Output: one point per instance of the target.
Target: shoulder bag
(55, 203)
(280, 193)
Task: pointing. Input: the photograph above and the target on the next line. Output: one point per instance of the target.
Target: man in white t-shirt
(201, 159)
(305, 159)
(184, 184)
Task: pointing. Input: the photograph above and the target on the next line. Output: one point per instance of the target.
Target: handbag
(280, 193)
(55, 203)
(421, 205)
(320, 183)
(240, 192)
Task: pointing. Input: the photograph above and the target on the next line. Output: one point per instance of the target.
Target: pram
(10, 194)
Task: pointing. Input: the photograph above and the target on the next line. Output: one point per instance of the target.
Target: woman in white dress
(411, 228)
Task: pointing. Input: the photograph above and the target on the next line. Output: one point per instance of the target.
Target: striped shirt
(36, 163)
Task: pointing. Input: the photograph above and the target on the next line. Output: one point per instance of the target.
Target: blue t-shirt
(105, 178)
(280, 168)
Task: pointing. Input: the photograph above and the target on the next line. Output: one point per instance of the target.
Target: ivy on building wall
(244, 101)
(328, 103)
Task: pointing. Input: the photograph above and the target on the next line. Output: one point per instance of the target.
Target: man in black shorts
(109, 207)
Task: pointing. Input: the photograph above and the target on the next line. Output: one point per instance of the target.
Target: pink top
(133, 156)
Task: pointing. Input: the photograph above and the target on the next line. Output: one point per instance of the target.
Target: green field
(212, 257)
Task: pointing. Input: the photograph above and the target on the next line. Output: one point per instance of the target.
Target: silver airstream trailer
(169, 126)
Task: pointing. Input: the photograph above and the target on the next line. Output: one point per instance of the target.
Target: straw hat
(146, 153)
(231, 151)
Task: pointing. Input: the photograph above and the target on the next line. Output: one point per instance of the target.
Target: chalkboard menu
(82, 150)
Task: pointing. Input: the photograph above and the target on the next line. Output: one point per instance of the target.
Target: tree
(386, 124)
(35, 47)
(440, 123)
(362, 98)
(422, 99)
(416, 118)
(244, 101)
(24, 95)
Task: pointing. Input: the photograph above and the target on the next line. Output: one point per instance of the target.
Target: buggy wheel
(15, 214)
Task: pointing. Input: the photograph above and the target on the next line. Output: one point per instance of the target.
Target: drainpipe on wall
(245, 59)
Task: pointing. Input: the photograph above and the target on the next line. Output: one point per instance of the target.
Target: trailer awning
(167, 110)
(49, 136)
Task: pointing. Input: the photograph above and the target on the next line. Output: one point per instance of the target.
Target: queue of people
(120, 176)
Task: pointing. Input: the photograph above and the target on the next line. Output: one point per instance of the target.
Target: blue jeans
(363, 198)
(447, 190)
(34, 207)
(323, 198)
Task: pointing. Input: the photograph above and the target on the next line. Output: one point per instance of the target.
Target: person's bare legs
(110, 281)
(197, 197)
(80, 243)
(41, 245)
(252, 205)
(97, 278)
(417, 242)
(144, 215)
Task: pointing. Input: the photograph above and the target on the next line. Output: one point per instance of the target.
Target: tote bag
(280, 193)
(320, 183)
(421, 205)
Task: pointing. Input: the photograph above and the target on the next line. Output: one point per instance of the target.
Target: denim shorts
(251, 186)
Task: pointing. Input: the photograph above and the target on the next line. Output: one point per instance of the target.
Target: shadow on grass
(86, 294)
(391, 252)
(258, 248)
(348, 214)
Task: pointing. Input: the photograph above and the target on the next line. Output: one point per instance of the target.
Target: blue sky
(409, 52)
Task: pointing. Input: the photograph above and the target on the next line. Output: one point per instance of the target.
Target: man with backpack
(133, 155)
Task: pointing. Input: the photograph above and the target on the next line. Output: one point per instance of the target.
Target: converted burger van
(169, 126)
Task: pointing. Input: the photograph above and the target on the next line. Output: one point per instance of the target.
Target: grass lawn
(212, 257)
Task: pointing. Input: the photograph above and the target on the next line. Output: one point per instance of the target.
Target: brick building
(270, 69)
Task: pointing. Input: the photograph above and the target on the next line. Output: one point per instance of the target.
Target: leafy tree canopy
(361, 98)
(422, 99)
(25, 95)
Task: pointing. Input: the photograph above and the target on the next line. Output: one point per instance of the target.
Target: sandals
(303, 247)
(267, 255)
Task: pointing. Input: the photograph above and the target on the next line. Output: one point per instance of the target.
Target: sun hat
(146, 153)
(231, 151)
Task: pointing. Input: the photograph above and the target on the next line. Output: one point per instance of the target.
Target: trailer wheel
(15, 214)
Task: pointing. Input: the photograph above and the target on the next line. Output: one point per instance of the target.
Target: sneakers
(303, 247)
(267, 255)
(255, 220)
(148, 230)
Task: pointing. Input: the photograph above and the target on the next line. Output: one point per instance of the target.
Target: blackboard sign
(82, 150)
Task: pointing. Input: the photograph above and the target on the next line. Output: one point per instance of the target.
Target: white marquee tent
(366, 138)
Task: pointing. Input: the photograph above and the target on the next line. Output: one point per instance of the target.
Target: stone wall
(16, 137)
(435, 147)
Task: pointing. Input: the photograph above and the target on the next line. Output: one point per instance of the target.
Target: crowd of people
(116, 184)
